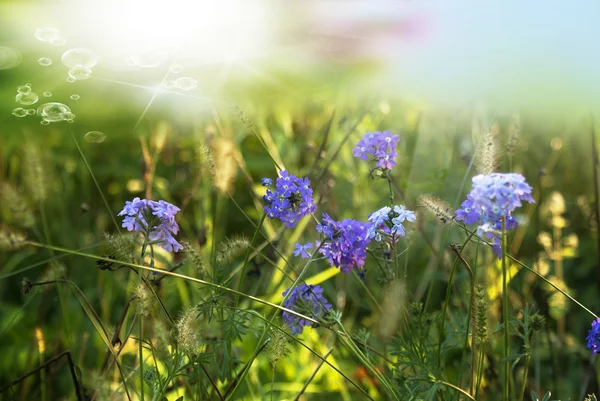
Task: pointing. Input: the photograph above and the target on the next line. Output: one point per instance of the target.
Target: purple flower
(382, 145)
(290, 201)
(266, 182)
(154, 219)
(389, 221)
(345, 244)
(494, 197)
(302, 299)
(593, 337)
(302, 250)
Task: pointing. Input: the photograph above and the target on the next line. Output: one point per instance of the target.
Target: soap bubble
(54, 111)
(44, 61)
(19, 112)
(169, 85)
(47, 33)
(44, 122)
(95, 137)
(30, 112)
(148, 57)
(186, 83)
(26, 98)
(74, 96)
(70, 80)
(176, 69)
(58, 41)
(9, 58)
(24, 88)
(79, 73)
(80, 57)
(47, 94)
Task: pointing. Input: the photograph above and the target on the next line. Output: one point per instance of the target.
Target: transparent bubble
(19, 112)
(169, 85)
(44, 61)
(80, 57)
(74, 96)
(26, 98)
(46, 34)
(95, 137)
(186, 83)
(79, 73)
(54, 111)
(149, 57)
(44, 122)
(58, 41)
(176, 69)
(9, 58)
(69, 116)
(30, 112)
(70, 80)
(24, 88)
(47, 94)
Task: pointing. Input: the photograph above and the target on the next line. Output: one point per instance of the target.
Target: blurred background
(102, 101)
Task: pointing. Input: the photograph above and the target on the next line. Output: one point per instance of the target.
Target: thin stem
(505, 307)
(174, 274)
(472, 313)
(309, 379)
(140, 349)
(447, 300)
(527, 360)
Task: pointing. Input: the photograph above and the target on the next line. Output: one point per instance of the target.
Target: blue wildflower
(154, 219)
(304, 297)
(345, 244)
(300, 249)
(494, 197)
(290, 201)
(266, 182)
(389, 221)
(593, 337)
(382, 145)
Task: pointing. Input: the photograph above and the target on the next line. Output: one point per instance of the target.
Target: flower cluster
(346, 242)
(290, 200)
(389, 221)
(154, 219)
(494, 197)
(382, 145)
(305, 297)
(593, 337)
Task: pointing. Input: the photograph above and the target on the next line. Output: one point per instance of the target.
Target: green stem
(140, 349)
(480, 369)
(505, 307)
(447, 300)
(527, 360)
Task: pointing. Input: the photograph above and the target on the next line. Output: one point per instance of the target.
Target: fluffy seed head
(121, 246)
(436, 208)
(206, 161)
(14, 208)
(225, 164)
(231, 248)
(36, 172)
(11, 240)
(277, 348)
(487, 153)
(188, 331)
(196, 259)
(143, 298)
(481, 314)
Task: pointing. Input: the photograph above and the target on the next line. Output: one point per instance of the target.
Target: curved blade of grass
(87, 165)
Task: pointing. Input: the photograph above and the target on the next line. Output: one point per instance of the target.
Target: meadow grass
(92, 311)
